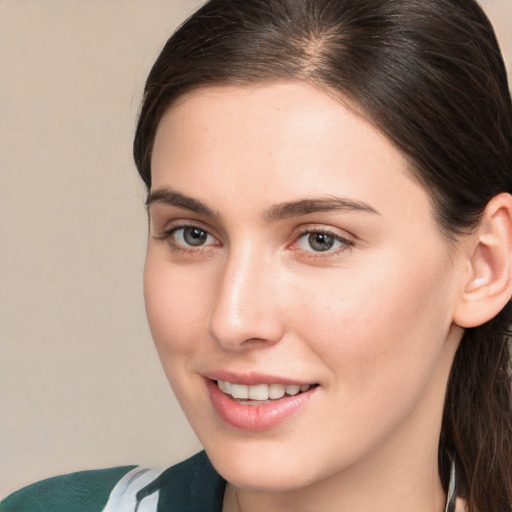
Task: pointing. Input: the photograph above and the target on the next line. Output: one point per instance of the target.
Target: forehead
(272, 143)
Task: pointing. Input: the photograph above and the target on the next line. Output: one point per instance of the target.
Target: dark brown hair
(430, 75)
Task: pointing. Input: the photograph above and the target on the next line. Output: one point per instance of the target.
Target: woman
(328, 272)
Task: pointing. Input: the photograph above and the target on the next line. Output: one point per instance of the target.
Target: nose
(245, 311)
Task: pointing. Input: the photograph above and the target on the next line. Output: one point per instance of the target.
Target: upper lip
(253, 378)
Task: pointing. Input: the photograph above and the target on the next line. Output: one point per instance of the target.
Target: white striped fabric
(123, 495)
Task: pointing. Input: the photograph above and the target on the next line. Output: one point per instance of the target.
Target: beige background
(80, 383)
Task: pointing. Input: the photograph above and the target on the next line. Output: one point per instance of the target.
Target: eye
(321, 241)
(191, 236)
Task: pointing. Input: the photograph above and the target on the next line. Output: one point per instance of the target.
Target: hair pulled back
(429, 75)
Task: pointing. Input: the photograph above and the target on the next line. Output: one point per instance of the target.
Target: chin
(270, 478)
(270, 465)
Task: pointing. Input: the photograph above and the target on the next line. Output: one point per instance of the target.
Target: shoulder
(196, 469)
(191, 485)
(86, 491)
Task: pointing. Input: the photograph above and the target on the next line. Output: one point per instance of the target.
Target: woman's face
(290, 249)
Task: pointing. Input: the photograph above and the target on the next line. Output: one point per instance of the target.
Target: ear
(487, 283)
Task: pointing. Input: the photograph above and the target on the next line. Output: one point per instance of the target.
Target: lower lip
(255, 418)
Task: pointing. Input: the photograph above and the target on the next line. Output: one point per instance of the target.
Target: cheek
(176, 307)
(378, 327)
(175, 301)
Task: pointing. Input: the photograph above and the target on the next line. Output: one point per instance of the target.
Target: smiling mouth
(260, 394)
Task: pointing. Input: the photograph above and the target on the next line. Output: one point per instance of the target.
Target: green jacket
(190, 486)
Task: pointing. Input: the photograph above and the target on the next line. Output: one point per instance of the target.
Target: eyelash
(345, 244)
(168, 235)
(307, 231)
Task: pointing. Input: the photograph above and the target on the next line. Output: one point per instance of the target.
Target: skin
(371, 320)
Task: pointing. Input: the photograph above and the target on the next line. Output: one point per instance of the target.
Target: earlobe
(487, 285)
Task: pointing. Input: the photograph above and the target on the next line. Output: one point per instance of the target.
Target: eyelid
(167, 228)
(172, 227)
(346, 240)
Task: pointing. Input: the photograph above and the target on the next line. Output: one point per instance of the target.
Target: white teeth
(292, 390)
(260, 392)
(276, 391)
(239, 391)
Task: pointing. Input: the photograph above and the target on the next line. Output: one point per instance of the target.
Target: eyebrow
(277, 212)
(315, 205)
(172, 198)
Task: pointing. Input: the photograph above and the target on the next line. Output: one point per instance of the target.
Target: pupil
(194, 236)
(320, 241)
